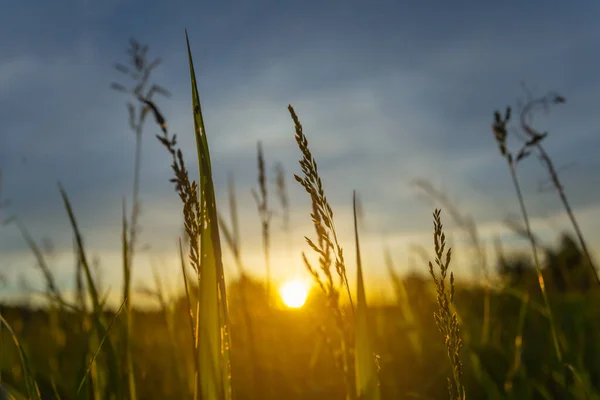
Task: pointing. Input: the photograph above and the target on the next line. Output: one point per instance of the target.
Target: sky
(387, 93)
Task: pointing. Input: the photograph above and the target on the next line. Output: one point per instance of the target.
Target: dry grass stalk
(330, 253)
(261, 196)
(188, 193)
(322, 213)
(139, 70)
(467, 224)
(232, 234)
(262, 202)
(535, 139)
(445, 318)
(500, 132)
(284, 202)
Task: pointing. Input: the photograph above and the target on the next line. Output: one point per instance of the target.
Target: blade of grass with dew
(33, 392)
(367, 385)
(93, 291)
(213, 344)
(87, 371)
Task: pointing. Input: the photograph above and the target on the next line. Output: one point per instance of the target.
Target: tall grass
(467, 224)
(33, 391)
(330, 255)
(112, 386)
(365, 366)
(212, 347)
(95, 355)
(231, 234)
(362, 383)
(140, 71)
(284, 201)
(500, 131)
(262, 202)
(445, 318)
(535, 140)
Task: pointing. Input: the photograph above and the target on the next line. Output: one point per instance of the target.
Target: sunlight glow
(294, 293)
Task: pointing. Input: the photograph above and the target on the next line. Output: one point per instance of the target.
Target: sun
(294, 293)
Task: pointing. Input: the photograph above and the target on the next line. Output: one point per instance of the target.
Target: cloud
(384, 96)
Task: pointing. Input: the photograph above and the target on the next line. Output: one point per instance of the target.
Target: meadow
(529, 328)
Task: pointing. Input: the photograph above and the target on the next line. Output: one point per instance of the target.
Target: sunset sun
(293, 293)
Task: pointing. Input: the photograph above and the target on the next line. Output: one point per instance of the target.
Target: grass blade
(33, 392)
(213, 337)
(189, 311)
(367, 386)
(96, 302)
(87, 371)
(127, 251)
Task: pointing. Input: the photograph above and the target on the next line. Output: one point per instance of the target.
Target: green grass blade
(189, 310)
(87, 371)
(96, 302)
(53, 291)
(213, 341)
(86, 266)
(33, 392)
(127, 302)
(367, 385)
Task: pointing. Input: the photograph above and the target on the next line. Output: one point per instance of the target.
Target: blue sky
(387, 93)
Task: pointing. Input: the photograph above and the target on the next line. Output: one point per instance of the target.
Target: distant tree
(568, 266)
(515, 269)
(564, 267)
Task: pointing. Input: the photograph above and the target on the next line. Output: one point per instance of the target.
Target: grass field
(528, 329)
